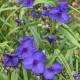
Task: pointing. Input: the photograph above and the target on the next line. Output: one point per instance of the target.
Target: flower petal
(62, 6)
(24, 38)
(76, 78)
(27, 3)
(39, 68)
(48, 74)
(39, 56)
(63, 18)
(45, 12)
(14, 60)
(57, 67)
(75, 74)
(53, 10)
(53, 13)
(27, 63)
(6, 60)
(27, 54)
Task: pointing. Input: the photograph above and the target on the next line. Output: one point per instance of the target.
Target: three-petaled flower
(59, 12)
(35, 62)
(26, 47)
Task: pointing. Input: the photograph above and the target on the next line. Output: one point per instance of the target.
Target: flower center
(60, 11)
(35, 62)
(25, 50)
(51, 69)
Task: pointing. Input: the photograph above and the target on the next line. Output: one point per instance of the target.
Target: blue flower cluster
(58, 12)
(32, 58)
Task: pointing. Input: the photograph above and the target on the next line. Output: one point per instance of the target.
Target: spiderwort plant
(33, 58)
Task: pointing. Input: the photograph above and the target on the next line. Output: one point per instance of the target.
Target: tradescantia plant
(39, 40)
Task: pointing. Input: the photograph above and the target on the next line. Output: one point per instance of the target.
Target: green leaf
(49, 62)
(25, 75)
(5, 22)
(4, 9)
(44, 1)
(12, 31)
(37, 37)
(14, 75)
(69, 35)
(3, 76)
(65, 64)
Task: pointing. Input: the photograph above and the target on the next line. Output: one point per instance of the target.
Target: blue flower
(33, 13)
(59, 12)
(25, 49)
(11, 59)
(75, 75)
(51, 38)
(27, 3)
(54, 69)
(18, 22)
(45, 12)
(35, 62)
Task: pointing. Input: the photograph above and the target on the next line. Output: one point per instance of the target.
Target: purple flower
(59, 12)
(54, 69)
(27, 3)
(26, 48)
(45, 12)
(47, 5)
(18, 22)
(35, 62)
(33, 13)
(11, 59)
(75, 75)
(51, 38)
(24, 38)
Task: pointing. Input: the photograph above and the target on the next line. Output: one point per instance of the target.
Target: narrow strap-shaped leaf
(3, 76)
(37, 37)
(14, 75)
(69, 35)
(25, 75)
